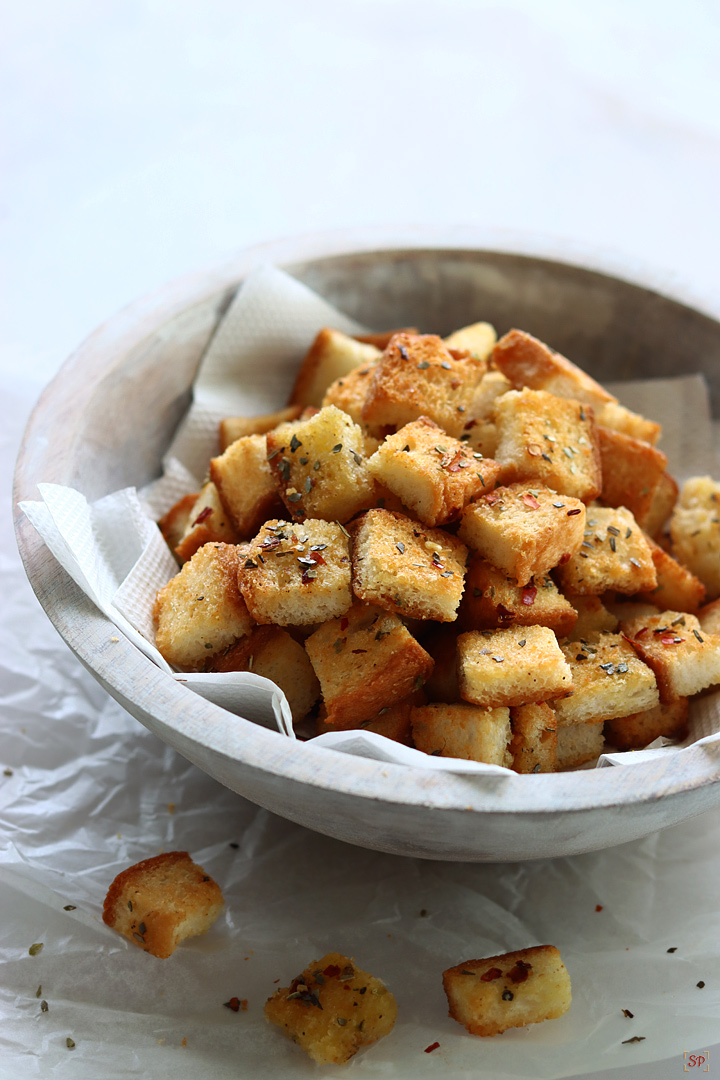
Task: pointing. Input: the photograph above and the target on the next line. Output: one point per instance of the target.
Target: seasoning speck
(38, 992)
(507, 995)
(7, 772)
(401, 547)
(674, 949)
(44, 1006)
(700, 985)
(433, 1046)
(233, 1004)
(70, 1043)
(598, 907)
(635, 1038)
(36, 948)
(628, 1014)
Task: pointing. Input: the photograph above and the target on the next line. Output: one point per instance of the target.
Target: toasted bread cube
(524, 529)
(550, 440)
(491, 387)
(293, 574)
(676, 587)
(636, 731)
(392, 721)
(174, 523)
(441, 643)
(615, 416)
(201, 611)
(272, 653)
(579, 744)
(631, 472)
(463, 731)
(608, 680)
(528, 362)
(233, 428)
(405, 567)
(332, 355)
(482, 437)
(245, 485)
(511, 990)
(592, 617)
(208, 522)
(434, 475)
(685, 659)
(320, 468)
(664, 499)
(533, 742)
(695, 531)
(614, 554)
(418, 376)
(478, 339)
(333, 1009)
(709, 617)
(511, 667)
(348, 395)
(160, 902)
(492, 600)
(365, 662)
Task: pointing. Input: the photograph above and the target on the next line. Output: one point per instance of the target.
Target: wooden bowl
(140, 366)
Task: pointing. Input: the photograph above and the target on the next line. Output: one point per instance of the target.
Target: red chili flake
(433, 1046)
(572, 513)
(317, 557)
(598, 907)
(344, 623)
(450, 461)
(640, 633)
(203, 515)
(331, 971)
(470, 424)
(565, 558)
(233, 1003)
(270, 543)
(670, 639)
(519, 973)
(492, 973)
(528, 595)
(530, 500)
(491, 498)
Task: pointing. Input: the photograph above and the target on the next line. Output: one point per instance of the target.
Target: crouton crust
(510, 667)
(614, 555)
(463, 731)
(533, 742)
(245, 485)
(685, 659)
(173, 524)
(331, 355)
(525, 361)
(608, 680)
(631, 472)
(637, 730)
(208, 522)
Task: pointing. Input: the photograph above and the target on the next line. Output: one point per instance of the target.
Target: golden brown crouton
(434, 476)
(684, 659)
(292, 575)
(173, 524)
(463, 731)
(492, 600)
(631, 472)
(664, 499)
(608, 680)
(237, 427)
(616, 416)
(333, 1009)
(614, 554)
(511, 667)
(550, 440)
(200, 611)
(245, 485)
(524, 529)
(403, 566)
(579, 744)
(392, 721)
(533, 743)
(676, 587)
(207, 523)
(593, 617)
(511, 990)
(332, 355)
(159, 902)
(348, 395)
(695, 531)
(365, 661)
(636, 731)
(478, 339)
(528, 362)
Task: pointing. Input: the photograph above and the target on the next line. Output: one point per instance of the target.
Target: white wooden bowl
(141, 364)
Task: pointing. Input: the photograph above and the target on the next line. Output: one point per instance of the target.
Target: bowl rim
(131, 676)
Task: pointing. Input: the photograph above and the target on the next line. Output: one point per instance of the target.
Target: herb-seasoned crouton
(478, 339)
(174, 523)
(237, 427)
(631, 472)
(332, 355)
(434, 475)
(608, 680)
(676, 587)
(245, 484)
(524, 529)
(685, 659)
(365, 661)
(272, 653)
(664, 499)
(200, 611)
(593, 617)
(492, 600)
(550, 440)
(500, 992)
(616, 416)
(463, 731)
(208, 522)
(528, 362)
(293, 574)
(319, 466)
(511, 667)
(418, 376)
(695, 531)
(614, 554)
(333, 1009)
(159, 902)
(533, 743)
(579, 744)
(636, 731)
(405, 567)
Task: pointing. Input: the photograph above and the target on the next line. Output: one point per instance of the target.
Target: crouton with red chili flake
(245, 485)
(685, 658)
(613, 554)
(207, 522)
(333, 1009)
(608, 680)
(511, 990)
(492, 600)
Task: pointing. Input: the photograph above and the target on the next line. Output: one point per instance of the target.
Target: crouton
(614, 415)
(293, 574)
(160, 902)
(463, 731)
(492, 600)
(320, 468)
(664, 498)
(637, 730)
(592, 617)
(272, 653)
(348, 395)
(524, 529)
(366, 661)
(478, 339)
(528, 362)
(491, 387)
(405, 567)
(709, 617)
(533, 742)
(200, 611)
(511, 667)
(614, 554)
(333, 1009)
(174, 523)
(676, 587)
(631, 472)
(511, 990)
(550, 440)
(695, 531)
(392, 721)
(684, 659)
(434, 475)
(608, 680)
(332, 355)
(579, 744)
(245, 485)
(207, 523)
(233, 428)
(418, 376)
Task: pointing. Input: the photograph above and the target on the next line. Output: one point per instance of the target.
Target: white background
(143, 140)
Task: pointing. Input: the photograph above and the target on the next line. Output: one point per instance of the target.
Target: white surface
(146, 139)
